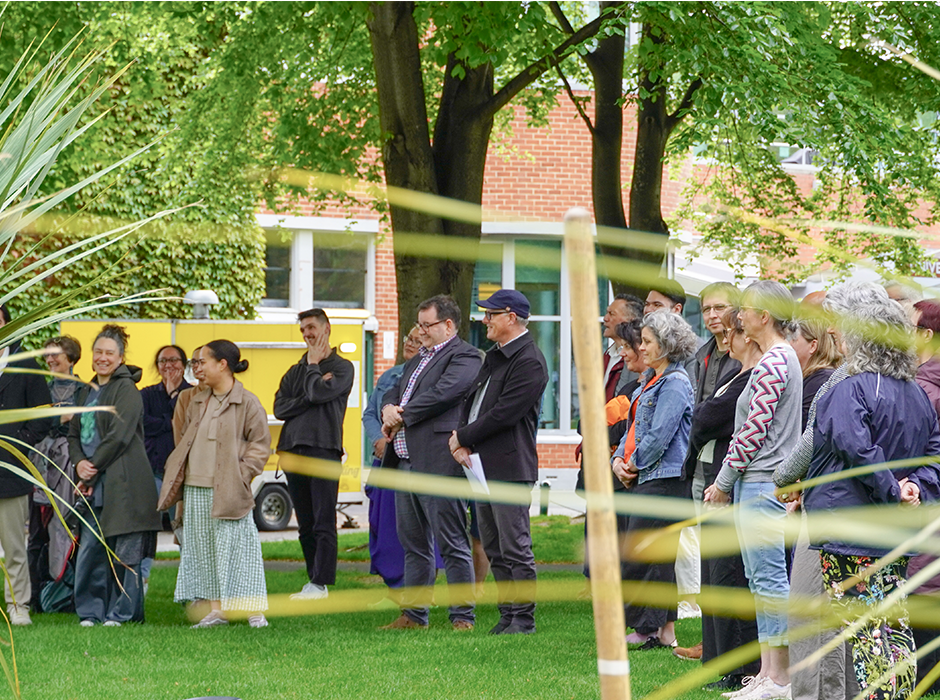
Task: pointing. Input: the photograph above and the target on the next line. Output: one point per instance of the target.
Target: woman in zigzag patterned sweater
(767, 423)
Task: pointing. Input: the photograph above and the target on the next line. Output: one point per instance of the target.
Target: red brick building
(336, 257)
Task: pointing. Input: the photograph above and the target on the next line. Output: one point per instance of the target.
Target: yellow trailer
(270, 348)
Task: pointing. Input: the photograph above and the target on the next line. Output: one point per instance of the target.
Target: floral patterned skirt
(886, 639)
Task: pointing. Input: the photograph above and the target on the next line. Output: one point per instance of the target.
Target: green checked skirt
(219, 559)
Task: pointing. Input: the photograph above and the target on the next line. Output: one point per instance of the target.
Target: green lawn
(341, 655)
(555, 540)
(323, 656)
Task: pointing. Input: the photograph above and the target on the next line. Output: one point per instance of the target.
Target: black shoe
(654, 643)
(725, 684)
(516, 628)
(504, 623)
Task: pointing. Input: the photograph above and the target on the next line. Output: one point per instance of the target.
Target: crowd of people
(782, 392)
(779, 393)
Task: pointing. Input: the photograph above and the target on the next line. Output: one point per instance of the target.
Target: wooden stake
(602, 544)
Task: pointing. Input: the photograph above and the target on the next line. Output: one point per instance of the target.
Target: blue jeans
(760, 522)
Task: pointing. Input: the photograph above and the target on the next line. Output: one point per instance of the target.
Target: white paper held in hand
(475, 474)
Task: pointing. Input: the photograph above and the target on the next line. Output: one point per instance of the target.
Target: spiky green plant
(43, 110)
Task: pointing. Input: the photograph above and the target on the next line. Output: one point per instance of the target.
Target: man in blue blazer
(418, 416)
(500, 421)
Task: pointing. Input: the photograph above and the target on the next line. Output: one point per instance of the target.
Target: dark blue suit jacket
(433, 411)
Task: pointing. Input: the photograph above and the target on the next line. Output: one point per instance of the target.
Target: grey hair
(522, 322)
(773, 298)
(845, 298)
(675, 336)
(879, 339)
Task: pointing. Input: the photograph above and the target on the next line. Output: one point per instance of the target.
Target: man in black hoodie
(17, 391)
(312, 403)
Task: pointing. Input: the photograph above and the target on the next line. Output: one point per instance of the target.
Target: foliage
(168, 49)
(808, 74)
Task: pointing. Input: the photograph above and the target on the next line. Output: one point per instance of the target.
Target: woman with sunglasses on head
(225, 443)
(767, 425)
(107, 448)
(713, 423)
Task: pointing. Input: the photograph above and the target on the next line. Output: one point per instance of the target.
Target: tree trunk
(461, 140)
(454, 166)
(606, 66)
(654, 125)
(406, 152)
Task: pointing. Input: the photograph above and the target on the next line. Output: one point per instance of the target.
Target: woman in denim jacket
(649, 460)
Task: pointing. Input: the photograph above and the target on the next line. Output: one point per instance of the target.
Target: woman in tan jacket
(224, 444)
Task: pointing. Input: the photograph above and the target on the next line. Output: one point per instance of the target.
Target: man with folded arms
(418, 416)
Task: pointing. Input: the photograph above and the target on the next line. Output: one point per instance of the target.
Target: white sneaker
(749, 683)
(214, 619)
(257, 621)
(87, 623)
(688, 611)
(112, 623)
(769, 691)
(311, 591)
(19, 615)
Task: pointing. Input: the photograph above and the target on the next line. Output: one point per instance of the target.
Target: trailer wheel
(273, 508)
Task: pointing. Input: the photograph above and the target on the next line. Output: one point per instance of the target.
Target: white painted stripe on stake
(607, 667)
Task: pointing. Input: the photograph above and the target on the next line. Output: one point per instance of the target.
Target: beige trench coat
(244, 445)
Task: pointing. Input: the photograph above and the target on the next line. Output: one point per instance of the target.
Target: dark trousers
(721, 635)
(422, 521)
(507, 541)
(315, 505)
(637, 574)
(98, 594)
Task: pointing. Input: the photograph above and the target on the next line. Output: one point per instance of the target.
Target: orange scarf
(629, 447)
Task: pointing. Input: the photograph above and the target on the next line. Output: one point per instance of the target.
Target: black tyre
(273, 508)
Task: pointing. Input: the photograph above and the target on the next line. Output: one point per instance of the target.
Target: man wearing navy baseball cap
(499, 422)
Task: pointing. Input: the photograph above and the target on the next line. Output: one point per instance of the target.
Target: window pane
(547, 337)
(538, 275)
(487, 273)
(339, 270)
(276, 269)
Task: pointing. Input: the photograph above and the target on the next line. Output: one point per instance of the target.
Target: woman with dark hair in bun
(224, 444)
(107, 449)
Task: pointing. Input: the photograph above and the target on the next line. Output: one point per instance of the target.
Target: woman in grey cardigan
(107, 448)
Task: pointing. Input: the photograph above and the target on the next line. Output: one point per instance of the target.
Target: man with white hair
(499, 422)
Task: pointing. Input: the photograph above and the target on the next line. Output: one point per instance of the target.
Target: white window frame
(302, 229)
(507, 233)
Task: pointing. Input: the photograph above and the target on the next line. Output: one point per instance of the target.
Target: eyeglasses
(425, 326)
(196, 363)
(413, 341)
(720, 308)
(170, 361)
(488, 315)
(49, 355)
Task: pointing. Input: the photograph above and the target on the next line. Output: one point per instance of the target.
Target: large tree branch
(530, 74)
(559, 15)
(574, 100)
(672, 120)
